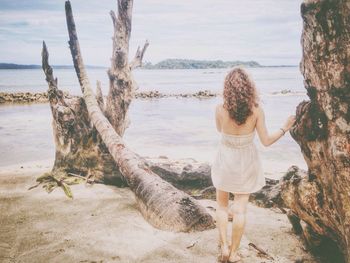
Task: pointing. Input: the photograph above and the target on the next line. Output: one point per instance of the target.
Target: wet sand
(102, 224)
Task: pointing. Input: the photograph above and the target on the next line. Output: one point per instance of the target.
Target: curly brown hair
(240, 95)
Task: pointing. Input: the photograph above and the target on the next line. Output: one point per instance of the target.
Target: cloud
(264, 30)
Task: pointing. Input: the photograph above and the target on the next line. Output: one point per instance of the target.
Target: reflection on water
(175, 127)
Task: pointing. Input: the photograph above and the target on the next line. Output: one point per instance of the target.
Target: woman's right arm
(266, 138)
(217, 118)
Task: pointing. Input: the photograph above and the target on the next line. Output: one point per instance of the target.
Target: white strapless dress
(237, 166)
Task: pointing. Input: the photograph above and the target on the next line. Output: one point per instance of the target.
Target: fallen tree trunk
(321, 199)
(160, 203)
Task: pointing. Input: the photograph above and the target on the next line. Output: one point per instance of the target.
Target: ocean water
(174, 127)
(268, 80)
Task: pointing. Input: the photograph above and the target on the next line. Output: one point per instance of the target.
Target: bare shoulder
(258, 111)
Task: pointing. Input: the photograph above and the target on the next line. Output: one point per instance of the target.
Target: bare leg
(230, 215)
(222, 198)
(239, 210)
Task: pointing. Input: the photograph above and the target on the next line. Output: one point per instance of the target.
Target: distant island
(197, 64)
(164, 64)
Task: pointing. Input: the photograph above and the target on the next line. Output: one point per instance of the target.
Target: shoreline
(103, 223)
(41, 97)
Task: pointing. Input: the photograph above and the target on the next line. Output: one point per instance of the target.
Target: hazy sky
(267, 31)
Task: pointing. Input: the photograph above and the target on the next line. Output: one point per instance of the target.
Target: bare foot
(234, 257)
(224, 253)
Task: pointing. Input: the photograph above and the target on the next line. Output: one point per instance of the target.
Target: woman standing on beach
(237, 166)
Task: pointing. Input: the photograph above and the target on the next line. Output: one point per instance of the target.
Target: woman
(237, 166)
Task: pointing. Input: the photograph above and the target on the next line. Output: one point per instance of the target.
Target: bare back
(227, 125)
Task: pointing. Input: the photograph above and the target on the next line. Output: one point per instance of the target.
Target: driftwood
(187, 175)
(79, 148)
(321, 198)
(160, 203)
(261, 252)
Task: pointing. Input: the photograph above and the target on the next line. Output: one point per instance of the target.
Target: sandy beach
(102, 224)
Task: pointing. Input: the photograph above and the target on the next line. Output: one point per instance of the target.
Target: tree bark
(321, 199)
(163, 205)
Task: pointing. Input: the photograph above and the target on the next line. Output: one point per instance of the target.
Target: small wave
(287, 93)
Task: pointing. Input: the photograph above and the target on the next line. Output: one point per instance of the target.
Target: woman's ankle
(234, 254)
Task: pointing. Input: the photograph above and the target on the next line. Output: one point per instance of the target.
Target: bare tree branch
(121, 83)
(137, 61)
(122, 29)
(54, 93)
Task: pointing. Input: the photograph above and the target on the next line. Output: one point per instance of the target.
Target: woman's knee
(240, 204)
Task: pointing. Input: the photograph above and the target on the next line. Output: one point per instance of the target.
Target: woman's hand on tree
(289, 123)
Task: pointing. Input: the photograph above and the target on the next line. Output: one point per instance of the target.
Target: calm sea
(175, 127)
